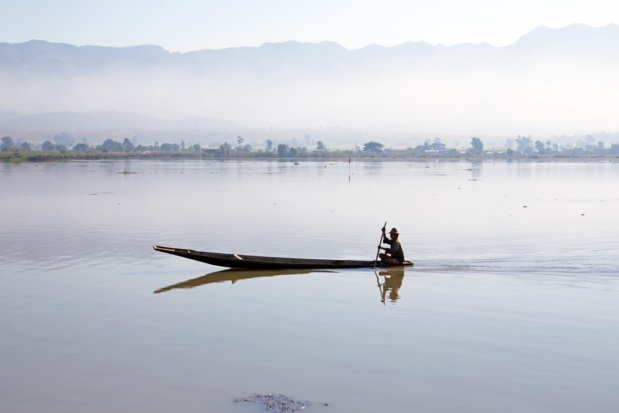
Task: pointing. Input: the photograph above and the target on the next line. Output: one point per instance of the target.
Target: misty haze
(551, 81)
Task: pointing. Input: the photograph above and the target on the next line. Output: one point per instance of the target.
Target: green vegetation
(63, 149)
(373, 147)
(478, 146)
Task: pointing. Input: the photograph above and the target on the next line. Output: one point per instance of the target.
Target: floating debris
(278, 403)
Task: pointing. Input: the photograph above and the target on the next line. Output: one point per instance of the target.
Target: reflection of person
(394, 255)
(393, 283)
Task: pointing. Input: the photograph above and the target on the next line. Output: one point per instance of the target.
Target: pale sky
(187, 25)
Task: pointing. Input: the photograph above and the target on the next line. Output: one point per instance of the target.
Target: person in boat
(394, 254)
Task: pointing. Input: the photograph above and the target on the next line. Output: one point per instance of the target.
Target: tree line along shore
(520, 147)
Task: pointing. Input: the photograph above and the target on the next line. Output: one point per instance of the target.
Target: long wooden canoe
(261, 263)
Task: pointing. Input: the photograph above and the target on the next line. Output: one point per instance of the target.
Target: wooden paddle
(379, 244)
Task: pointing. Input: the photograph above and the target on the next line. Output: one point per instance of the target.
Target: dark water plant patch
(278, 403)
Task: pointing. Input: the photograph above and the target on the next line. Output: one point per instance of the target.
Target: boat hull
(255, 262)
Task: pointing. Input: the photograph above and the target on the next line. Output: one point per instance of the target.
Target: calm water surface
(512, 306)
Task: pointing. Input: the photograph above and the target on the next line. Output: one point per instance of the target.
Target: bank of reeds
(55, 156)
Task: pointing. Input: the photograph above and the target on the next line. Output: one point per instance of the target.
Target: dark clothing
(395, 251)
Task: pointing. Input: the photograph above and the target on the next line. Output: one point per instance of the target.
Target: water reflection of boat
(259, 262)
(392, 284)
(232, 276)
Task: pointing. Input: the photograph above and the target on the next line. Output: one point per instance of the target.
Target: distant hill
(576, 41)
(69, 121)
(549, 81)
(56, 59)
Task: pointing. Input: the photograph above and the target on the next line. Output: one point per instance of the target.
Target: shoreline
(65, 157)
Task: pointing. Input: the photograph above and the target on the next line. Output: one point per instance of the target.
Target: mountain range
(550, 81)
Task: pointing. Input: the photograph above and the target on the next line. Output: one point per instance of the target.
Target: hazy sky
(186, 25)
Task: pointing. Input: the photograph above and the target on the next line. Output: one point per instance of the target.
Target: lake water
(512, 306)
